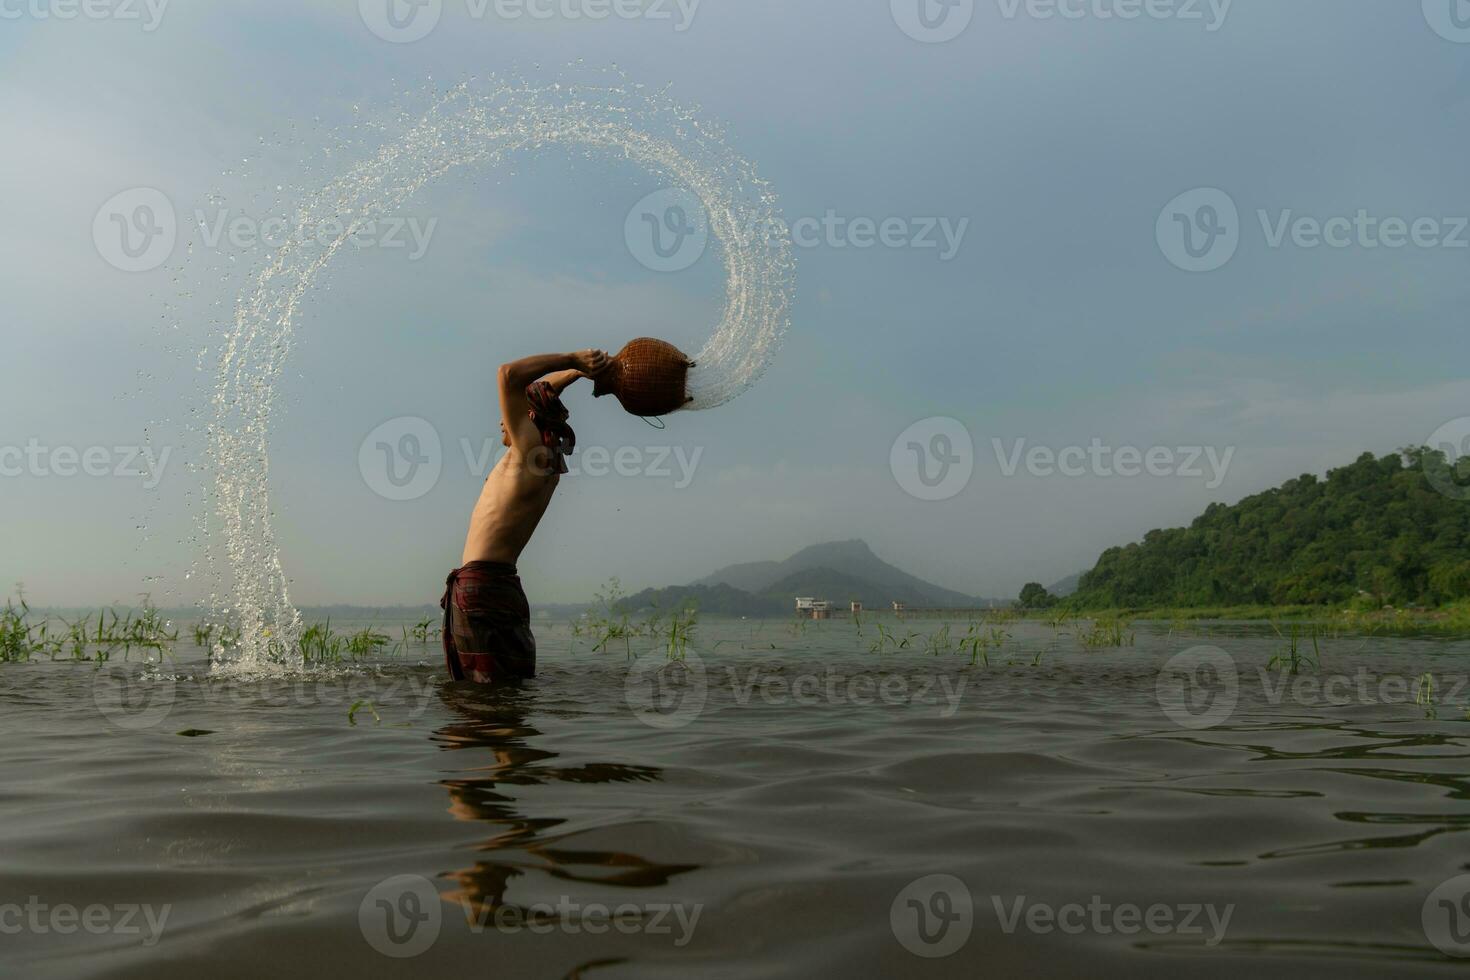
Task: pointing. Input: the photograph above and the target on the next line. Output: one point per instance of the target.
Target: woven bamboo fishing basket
(650, 378)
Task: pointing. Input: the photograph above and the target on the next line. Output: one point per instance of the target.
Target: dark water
(574, 828)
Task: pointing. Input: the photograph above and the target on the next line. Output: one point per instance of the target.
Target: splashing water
(480, 125)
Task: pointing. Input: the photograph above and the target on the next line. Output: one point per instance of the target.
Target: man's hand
(591, 362)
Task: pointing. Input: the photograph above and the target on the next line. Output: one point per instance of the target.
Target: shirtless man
(487, 621)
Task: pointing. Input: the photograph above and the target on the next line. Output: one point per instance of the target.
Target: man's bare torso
(520, 487)
(511, 505)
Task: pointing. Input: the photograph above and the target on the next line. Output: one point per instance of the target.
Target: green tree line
(1389, 530)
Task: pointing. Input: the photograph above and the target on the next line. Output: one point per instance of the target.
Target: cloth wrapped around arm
(550, 417)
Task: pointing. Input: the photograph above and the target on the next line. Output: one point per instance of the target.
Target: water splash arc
(481, 126)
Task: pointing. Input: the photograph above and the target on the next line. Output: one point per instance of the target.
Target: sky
(1193, 250)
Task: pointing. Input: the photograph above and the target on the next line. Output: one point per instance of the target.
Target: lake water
(1062, 811)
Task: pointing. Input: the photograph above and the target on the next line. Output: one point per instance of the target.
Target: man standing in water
(487, 621)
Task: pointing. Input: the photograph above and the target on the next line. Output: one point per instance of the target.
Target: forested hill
(1377, 528)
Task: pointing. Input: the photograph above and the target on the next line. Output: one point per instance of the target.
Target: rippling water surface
(710, 822)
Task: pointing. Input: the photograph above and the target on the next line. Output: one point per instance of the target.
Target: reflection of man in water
(494, 719)
(487, 621)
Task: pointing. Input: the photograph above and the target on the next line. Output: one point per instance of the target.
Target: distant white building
(813, 608)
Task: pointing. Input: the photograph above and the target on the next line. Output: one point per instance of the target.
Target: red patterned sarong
(487, 624)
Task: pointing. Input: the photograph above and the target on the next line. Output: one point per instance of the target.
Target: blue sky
(1060, 319)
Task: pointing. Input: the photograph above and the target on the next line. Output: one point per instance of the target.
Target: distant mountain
(841, 571)
(841, 589)
(712, 600)
(837, 571)
(828, 583)
(756, 576)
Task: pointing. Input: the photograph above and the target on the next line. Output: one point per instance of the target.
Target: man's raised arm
(562, 380)
(516, 376)
(519, 374)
